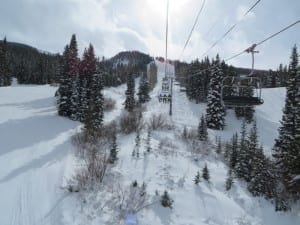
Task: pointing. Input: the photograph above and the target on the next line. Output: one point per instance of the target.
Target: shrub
(166, 201)
(133, 199)
(197, 178)
(158, 122)
(93, 151)
(131, 122)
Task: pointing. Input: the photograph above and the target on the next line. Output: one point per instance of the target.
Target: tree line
(32, 66)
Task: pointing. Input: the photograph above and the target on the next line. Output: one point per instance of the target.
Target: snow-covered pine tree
(88, 90)
(96, 100)
(252, 152)
(166, 201)
(284, 151)
(245, 112)
(4, 70)
(83, 87)
(130, 100)
(202, 129)
(262, 181)
(73, 66)
(144, 89)
(64, 90)
(233, 156)
(136, 150)
(242, 165)
(292, 158)
(196, 84)
(148, 141)
(197, 178)
(205, 173)
(219, 145)
(191, 81)
(74, 101)
(184, 133)
(215, 112)
(229, 180)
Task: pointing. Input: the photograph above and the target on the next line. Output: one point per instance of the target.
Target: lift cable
(231, 28)
(167, 30)
(261, 42)
(193, 28)
(249, 50)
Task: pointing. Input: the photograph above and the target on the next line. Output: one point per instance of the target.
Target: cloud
(116, 25)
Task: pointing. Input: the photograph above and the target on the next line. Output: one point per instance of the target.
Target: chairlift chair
(236, 89)
(164, 95)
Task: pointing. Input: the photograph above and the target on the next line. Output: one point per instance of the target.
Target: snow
(36, 159)
(34, 145)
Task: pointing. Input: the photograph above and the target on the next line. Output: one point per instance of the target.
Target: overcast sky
(116, 25)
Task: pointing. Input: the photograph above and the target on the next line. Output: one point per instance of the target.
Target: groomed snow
(36, 158)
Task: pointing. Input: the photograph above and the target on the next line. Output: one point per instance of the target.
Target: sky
(118, 25)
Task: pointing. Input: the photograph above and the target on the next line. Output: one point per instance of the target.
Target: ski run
(37, 159)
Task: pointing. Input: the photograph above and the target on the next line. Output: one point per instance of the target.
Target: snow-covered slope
(36, 157)
(35, 143)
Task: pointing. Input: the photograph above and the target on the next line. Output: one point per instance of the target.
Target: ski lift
(165, 94)
(242, 90)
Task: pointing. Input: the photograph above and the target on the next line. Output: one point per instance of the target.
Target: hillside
(37, 159)
(30, 65)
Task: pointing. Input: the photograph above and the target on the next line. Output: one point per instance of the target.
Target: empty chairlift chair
(241, 91)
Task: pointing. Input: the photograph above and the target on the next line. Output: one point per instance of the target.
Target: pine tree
(88, 92)
(197, 178)
(242, 165)
(233, 152)
(72, 73)
(215, 112)
(64, 90)
(292, 158)
(293, 163)
(255, 186)
(136, 150)
(83, 87)
(113, 148)
(227, 151)
(4, 70)
(84, 99)
(148, 141)
(130, 101)
(202, 129)
(262, 181)
(144, 89)
(219, 146)
(90, 97)
(229, 180)
(252, 152)
(286, 151)
(184, 133)
(166, 201)
(245, 112)
(205, 173)
(89, 127)
(74, 100)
